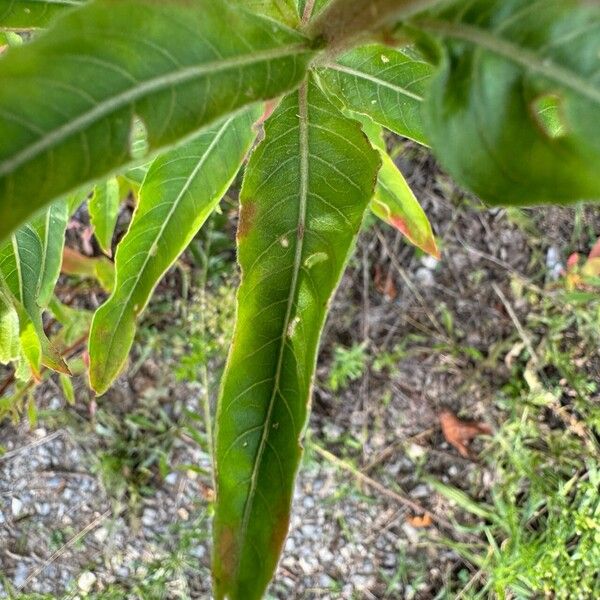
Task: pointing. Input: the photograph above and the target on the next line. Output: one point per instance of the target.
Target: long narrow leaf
(303, 201)
(394, 202)
(69, 100)
(30, 265)
(179, 192)
(104, 212)
(9, 331)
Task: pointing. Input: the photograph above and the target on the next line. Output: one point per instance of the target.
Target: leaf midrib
(160, 233)
(126, 98)
(376, 80)
(302, 208)
(524, 57)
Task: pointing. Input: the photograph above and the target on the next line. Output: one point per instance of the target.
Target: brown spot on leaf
(247, 214)
(270, 106)
(227, 552)
(400, 224)
(280, 532)
(428, 245)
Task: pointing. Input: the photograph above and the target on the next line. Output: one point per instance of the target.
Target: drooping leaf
(30, 266)
(72, 96)
(96, 267)
(384, 83)
(9, 332)
(394, 202)
(50, 228)
(75, 323)
(514, 112)
(104, 212)
(304, 195)
(67, 387)
(26, 14)
(179, 192)
(28, 347)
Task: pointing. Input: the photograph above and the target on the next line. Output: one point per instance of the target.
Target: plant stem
(204, 368)
(346, 21)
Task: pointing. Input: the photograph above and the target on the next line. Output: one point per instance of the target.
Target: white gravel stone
(429, 262)
(16, 507)
(424, 277)
(43, 508)
(86, 581)
(20, 576)
(171, 478)
(101, 534)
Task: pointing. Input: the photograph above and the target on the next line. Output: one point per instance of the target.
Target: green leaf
(182, 67)
(75, 323)
(30, 266)
(51, 230)
(76, 199)
(28, 346)
(10, 347)
(505, 63)
(303, 199)
(318, 6)
(96, 267)
(10, 39)
(67, 387)
(25, 14)
(104, 212)
(394, 201)
(386, 84)
(282, 10)
(179, 192)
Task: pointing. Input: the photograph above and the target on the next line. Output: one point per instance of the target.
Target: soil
(62, 531)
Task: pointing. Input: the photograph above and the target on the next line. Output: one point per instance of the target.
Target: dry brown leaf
(459, 433)
(384, 284)
(420, 522)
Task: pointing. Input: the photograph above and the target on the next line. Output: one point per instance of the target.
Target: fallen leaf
(459, 433)
(420, 522)
(385, 284)
(390, 290)
(595, 252)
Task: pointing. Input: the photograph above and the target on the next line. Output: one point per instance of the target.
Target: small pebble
(16, 507)
(424, 277)
(171, 478)
(429, 262)
(86, 582)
